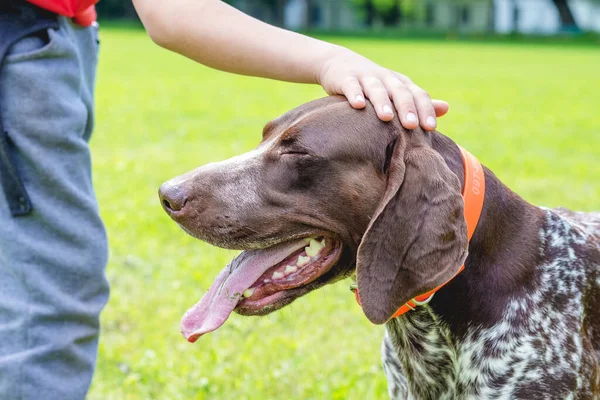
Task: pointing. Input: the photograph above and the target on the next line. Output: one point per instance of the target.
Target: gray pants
(52, 261)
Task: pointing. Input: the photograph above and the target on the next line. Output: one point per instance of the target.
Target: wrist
(326, 60)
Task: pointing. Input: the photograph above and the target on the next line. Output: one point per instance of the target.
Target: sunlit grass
(529, 113)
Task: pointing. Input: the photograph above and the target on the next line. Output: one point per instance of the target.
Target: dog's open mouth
(258, 279)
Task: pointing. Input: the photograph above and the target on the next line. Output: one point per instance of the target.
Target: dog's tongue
(216, 305)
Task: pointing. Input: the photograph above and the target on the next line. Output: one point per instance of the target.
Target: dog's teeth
(267, 280)
(248, 292)
(311, 251)
(302, 261)
(290, 269)
(277, 275)
(314, 249)
(322, 242)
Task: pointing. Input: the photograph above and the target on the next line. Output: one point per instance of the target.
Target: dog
(333, 192)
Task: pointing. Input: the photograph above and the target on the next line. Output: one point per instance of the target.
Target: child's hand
(355, 77)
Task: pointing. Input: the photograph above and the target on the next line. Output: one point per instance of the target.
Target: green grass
(529, 112)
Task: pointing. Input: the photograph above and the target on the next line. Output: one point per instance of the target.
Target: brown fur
(392, 197)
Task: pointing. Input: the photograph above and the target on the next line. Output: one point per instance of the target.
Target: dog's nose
(172, 197)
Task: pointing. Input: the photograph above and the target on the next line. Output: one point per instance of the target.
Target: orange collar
(473, 195)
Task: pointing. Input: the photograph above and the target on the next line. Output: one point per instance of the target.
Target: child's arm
(219, 36)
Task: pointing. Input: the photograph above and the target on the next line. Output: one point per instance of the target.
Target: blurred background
(534, 17)
(523, 82)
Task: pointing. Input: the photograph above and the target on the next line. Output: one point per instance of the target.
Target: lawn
(529, 112)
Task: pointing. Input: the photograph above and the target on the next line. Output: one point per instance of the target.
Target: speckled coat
(544, 345)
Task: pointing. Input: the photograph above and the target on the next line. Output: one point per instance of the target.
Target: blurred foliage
(386, 6)
(394, 12)
(116, 9)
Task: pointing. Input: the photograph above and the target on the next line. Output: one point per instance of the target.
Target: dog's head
(329, 191)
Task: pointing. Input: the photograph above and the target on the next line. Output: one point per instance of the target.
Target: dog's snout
(172, 197)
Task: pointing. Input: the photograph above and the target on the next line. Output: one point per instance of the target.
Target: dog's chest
(539, 346)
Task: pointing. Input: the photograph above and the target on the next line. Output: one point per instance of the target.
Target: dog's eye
(290, 147)
(294, 153)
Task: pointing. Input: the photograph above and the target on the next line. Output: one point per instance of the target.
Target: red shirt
(83, 12)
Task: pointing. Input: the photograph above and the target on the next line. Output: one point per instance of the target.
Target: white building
(541, 16)
(506, 16)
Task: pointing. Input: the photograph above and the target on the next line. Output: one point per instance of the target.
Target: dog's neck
(503, 255)
(503, 252)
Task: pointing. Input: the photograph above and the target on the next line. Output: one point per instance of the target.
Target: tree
(515, 16)
(277, 8)
(567, 21)
(390, 12)
(369, 11)
(308, 14)
(116, 9)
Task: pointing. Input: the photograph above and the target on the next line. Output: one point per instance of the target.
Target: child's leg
(52, 261)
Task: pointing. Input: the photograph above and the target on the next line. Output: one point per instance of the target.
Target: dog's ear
(417, 238)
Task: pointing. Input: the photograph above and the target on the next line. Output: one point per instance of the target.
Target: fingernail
(360, 99)
(431, 122)
(411, 117)
(387, 109)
